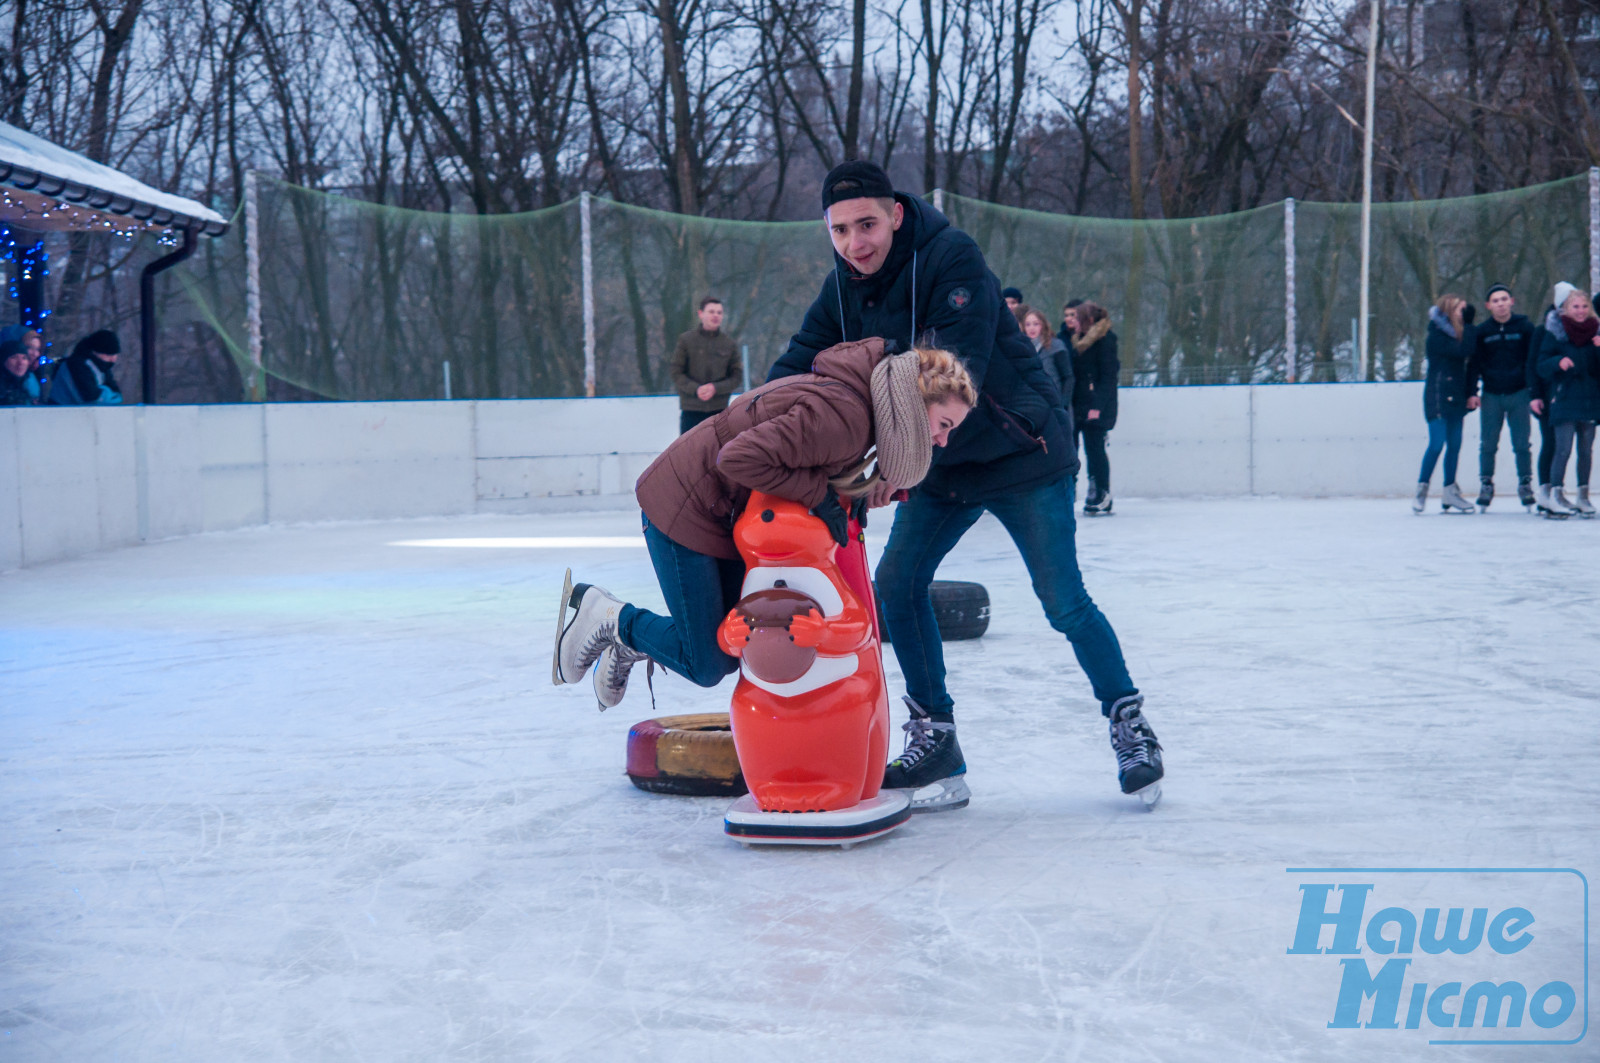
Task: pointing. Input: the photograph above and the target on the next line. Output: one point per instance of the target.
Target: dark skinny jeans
(1567, 433)
(1444, 433)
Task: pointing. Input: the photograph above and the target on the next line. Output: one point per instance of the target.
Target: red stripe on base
(642, 739)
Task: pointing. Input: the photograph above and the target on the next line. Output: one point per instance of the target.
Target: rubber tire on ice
(961, 609)
(688, 755)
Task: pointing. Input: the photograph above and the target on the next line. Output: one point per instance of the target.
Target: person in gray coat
(1052, 351)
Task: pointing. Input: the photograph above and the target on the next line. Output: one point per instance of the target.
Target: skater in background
(33, 343)
(86, 377)
(1499, 360)
(1095, 369)
(1444, 397)
(824, 439)
(14, 375)
(1570, 363)
(1052, 351)
(902, 272)
(705, 367)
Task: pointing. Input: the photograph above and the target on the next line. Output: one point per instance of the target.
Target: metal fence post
(588, 294)
(1291, 354)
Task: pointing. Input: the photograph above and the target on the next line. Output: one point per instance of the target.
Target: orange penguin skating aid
(810, 712)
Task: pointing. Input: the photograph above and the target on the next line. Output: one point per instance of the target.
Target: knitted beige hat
(900, 420)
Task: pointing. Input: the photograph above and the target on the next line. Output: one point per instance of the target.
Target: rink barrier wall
(75, 480)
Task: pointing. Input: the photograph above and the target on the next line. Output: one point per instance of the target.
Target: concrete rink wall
(74, 480)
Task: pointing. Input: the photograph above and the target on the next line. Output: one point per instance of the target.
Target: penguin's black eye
(768, 516)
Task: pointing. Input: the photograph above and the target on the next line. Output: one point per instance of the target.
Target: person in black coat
(1444, 397)
(86, 377)
(903, 273)
(1095, 368)
(1569, 362)
(1499, 361)
(14, 362)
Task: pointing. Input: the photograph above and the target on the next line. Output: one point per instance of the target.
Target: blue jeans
(1040, 522)
(699, 590)
(1444, 433)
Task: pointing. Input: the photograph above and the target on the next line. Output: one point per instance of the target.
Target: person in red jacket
(823, 439)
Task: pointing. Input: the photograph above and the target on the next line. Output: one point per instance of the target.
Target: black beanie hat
(853, 180)
(10, 347)
(102, 342)
(1496, 288)
(1011, 293)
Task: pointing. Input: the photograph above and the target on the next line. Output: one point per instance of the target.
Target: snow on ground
(302, 794)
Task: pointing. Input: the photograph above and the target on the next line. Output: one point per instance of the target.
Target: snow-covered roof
(45, 186)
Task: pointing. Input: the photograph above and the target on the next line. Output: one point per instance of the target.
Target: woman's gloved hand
(833, 514)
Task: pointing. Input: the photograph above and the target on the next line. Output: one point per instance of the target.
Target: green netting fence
(361, 301)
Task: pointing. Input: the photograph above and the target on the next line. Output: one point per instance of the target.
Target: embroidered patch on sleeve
(960, 298)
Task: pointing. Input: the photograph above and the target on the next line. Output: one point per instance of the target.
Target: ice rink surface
(301, 793)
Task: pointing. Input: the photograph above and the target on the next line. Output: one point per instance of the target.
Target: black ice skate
(1485, 493)
(1139, 768)
(1097, 503)
(1525, 492)
(931, 766)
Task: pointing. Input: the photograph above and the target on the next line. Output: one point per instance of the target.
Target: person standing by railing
(1095, 368)
(1568, 359)
(1499, 359)
(1444, 398)
(705, 367)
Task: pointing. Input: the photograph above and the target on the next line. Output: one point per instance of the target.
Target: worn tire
(961, 609)
(690, 755)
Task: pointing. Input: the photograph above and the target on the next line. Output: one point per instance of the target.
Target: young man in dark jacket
(705, 367)
(904, 274)
(1499, 361)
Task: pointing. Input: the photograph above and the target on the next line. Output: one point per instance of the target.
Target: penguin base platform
(874, 817)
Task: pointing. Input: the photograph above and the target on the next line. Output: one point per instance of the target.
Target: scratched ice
(305, 794)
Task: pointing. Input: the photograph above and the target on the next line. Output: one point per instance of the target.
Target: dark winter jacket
(14, 390)
(935, 288)
(702, 357)
(1538, 387)
(1444, 394)
(786, 438)
(1056, 358)
(1500, 356)
(1095, 368)
(1575, 392)
(81, 379)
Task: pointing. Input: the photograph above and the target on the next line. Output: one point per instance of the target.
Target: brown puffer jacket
(785, 438)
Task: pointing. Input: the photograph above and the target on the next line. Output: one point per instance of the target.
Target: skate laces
(922, 738)
(1132, 738)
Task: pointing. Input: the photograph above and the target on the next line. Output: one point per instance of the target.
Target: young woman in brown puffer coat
(810, 438)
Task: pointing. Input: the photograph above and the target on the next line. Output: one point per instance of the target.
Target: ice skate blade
(1149, 794)
(561, 629)
(946, 795)
(747, 824)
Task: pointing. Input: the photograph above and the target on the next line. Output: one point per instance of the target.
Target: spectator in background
(705, 367)
(14, 375)
(1538, 405)
(1444, 398)
(33, 344)
(1095, 368)
(1052, 352)
(1013, 298)
(1570, 363)
(1500, 360)
(85, 377)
